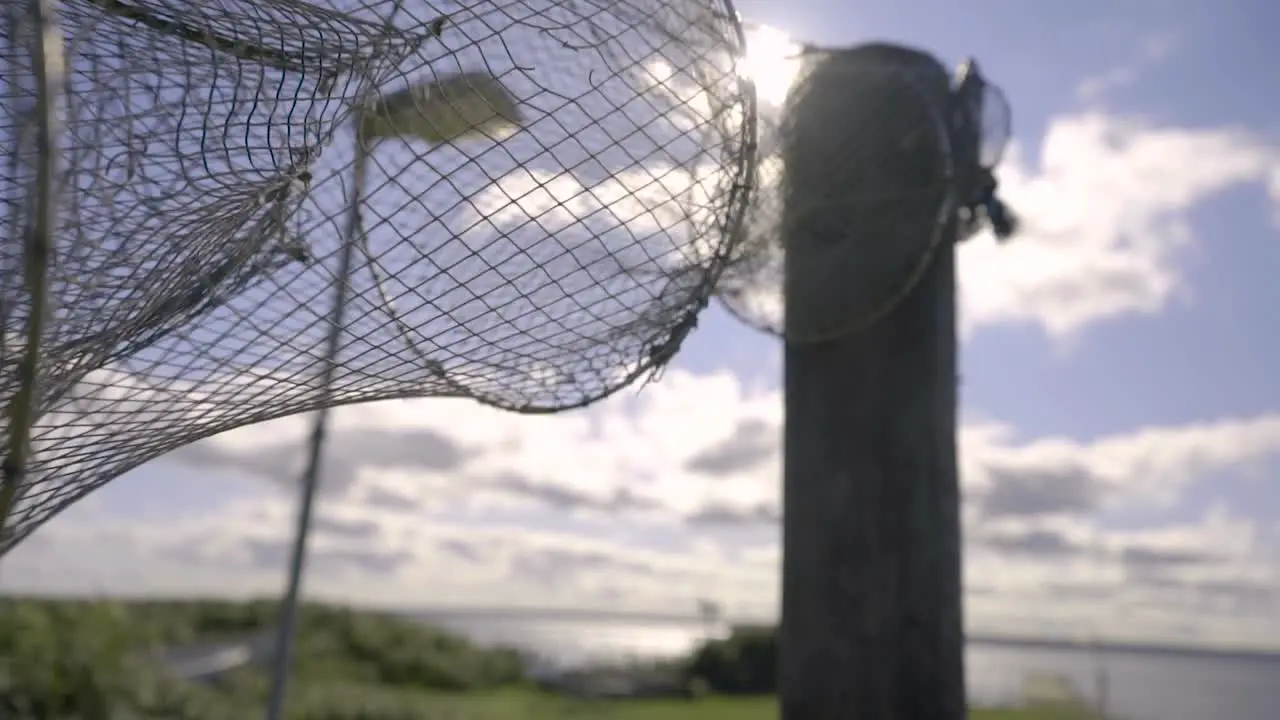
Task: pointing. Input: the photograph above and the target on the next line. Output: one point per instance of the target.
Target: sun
(771, 61)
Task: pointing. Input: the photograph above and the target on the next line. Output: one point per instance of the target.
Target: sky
(1120, 412)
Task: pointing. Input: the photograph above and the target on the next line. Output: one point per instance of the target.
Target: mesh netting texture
(864, 132)
(546, 194)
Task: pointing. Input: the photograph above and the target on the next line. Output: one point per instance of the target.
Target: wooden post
(871, 599)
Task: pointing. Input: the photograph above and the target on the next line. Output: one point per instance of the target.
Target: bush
(91, 660)
(745, 663)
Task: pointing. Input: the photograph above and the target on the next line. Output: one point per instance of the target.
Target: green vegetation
(742, 664)
(94, 660)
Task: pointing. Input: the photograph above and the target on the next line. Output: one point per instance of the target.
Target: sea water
(1132, 684)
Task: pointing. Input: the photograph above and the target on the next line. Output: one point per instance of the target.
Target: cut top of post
(886, 169)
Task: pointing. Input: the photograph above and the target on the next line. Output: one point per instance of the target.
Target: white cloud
(1144, 467)
(1210, 581)
(1151, 52)
(1105, 213)
(650, 501)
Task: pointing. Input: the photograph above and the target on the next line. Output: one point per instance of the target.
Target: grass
(534, 706)
(767, 709)
(525, 705)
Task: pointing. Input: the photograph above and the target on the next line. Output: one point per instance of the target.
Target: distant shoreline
(587, 615)
(1175, 650)
(568, 615)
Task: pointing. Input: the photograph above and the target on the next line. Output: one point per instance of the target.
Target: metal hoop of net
(545, 193)
(902, 175)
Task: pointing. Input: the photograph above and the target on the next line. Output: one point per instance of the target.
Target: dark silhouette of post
(871, 601)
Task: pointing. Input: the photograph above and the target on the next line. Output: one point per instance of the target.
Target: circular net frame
(896, 176)
(208, 168)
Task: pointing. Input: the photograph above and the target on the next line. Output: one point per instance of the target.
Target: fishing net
(525, 202)
(910, 170)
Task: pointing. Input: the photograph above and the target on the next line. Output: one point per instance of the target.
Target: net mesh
(208, 159)
(897, 176)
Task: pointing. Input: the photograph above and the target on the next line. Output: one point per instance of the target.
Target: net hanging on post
(910, 185)
(534, 264)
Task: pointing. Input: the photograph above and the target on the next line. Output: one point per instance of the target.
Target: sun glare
(771, 62)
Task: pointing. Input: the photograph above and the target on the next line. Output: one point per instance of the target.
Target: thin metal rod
(283, 656)
(38, 250)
